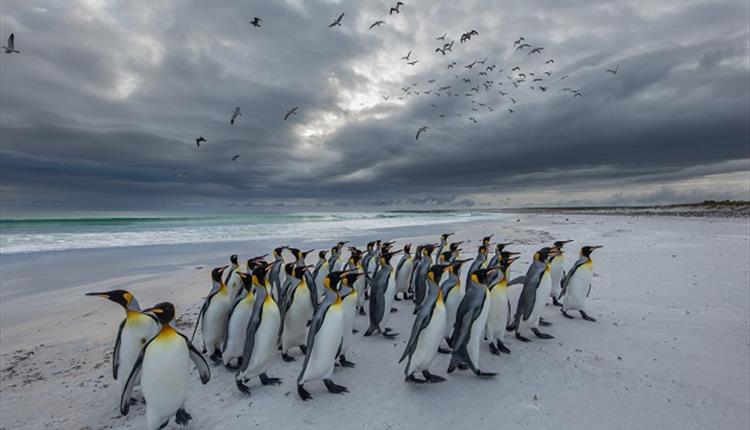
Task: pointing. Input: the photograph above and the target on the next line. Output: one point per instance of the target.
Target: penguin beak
(102, 295)
(596, 246)
(512, 259)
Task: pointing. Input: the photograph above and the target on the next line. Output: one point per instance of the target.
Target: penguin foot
(463, 366)
(355, 331)
(511, 327)
(242, 387)
(444, 350)
(396, 298)
(369, 332)
(182, 417)
(133, 401)
(451, 368)
(493, 349)
(166, 423)
(302, 393)
(522, 338)
(344, 362)
(288, 358)
(267, 380)
(544, 323)
(585, 316)
(541, 335)
(565, 314)
(362, 311)
(334, 388)
(433, 379)
(388, 334)
(556, 302)
(216, 356)
(412, 378)
(303, 348)
(367, 295)
(502, 348)
(482, 374)
(231, 367)
(394, 310)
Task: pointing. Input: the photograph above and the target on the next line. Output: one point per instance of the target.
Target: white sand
(670, 350)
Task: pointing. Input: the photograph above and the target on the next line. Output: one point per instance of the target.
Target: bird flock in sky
(275, 308)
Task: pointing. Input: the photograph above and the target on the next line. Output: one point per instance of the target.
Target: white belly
(390, 292)
(350, 315)
(402, 277)
(295, 320)
(265, 341)
(477, 331)
(237, 330)
(214, 321)
(451, 307)
(578, 288)
(138, 330)
(556, 270)
(359, 286)
(234, 285)
(164, 379)
(327, 340)
(429, 341)
(498, 318)
(322, 273)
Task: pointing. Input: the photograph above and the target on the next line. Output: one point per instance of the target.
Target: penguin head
(444, 237)
(481, 275)
(247, 281)
(296, 253)
(341, 244)
(500, 246)
(482, 250)
(446, 256)
(216, 274)
(544, 254)
(354, 258)
(370, 246)
(233, 259)
(122, 297)
(560, 243)
(436, 271)
(456, 265)
(289, 269)
(454, 246)
(299, 271)
(385, 258)
(164, 312)
(277, 252)
(322, 254)
(260, 273)
(407, 248)
(332, 279)
(588, 249)
(487, 239)
(255, 262)
(427, 250)
(349, 278)
(507, 259)
(507, 254)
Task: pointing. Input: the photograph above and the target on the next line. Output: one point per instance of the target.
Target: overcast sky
(102, 107)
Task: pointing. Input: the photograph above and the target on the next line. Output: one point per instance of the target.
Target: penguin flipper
(200, 362)
(116, 353)
(420, 322)
(200, 315)
(517, 280)
(226, 326)
(252, 327)
(127, 390)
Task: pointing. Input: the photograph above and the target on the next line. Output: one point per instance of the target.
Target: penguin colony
(271, 308)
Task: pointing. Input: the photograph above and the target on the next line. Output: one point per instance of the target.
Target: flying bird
(442, 37)
(511, 110)
(406, 57)
(292, 111)
(450, 66)
(429, 81)
(411, 63)
(467, 36)
(515, 68)
(536, 50)
(614, 72)
(11, 48)
(548, 73)
(199, 140)
(256, 21)
(386, 97)
(550, 61)
(376, 24)
(543, 89)
(577, 93)
(469, 66)
(482, 62)
(337, 21)
(482, 73)
(473, 119)
(236, 157)
(522, 46)
(517, 42)
(564, 77)
(513, 100)
(235, 114)
(420, 131)
(395, 8)
(440, 50)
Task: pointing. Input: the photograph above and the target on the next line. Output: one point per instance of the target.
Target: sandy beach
(670, 350)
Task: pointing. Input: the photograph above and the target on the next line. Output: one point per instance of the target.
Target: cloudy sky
(101, 109)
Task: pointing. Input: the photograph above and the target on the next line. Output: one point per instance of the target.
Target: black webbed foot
(585, 316)
(541, 335)
(433, 379)
(522, 338)
(288, 358)
(302, 393)
(502, 348)
(267, 380)
(182, 417)
(334, 388)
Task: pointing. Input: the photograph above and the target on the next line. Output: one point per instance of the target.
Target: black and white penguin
(577, 284)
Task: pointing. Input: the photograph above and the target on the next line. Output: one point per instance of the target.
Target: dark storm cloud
(102, 107)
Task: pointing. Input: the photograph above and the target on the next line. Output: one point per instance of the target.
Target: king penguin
(242, 310)
(495, 260)
(324, 337)
(213, 315)
(478, 262)
(531, 301)
(260, 340)
(298, 307)
(348, 295)
(382, 292)
(232, 281)
(471, 321)
(499, 318)
(134, 331)
(276, 273)
(360, 285)
(443, 242)
(420, 276)
(319, 272)
(163, 368)
(453, 293)
(403, 272)
(427, 331)
(557, 266)
(577, 284)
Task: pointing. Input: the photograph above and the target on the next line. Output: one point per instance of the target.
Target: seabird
(337, 22)
(536, 50)
(376, 24)
(292, 111)
(550, 61)
(236, 157)
(420, 131)
(520, 39)
(442, 37)
(614, 72)
(256, 21)
(395, 9)
(406, 57)
(411, 63)
(235, 114)
(11, 48)
(199, 140)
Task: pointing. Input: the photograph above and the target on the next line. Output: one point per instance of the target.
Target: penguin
(290, 281)
(486, 243)
(478, 262)
(495, 260)
(320, 271)
(213, 315)
(471, 321)
(163, 369)
(455, 250)
(324, 336)
(576, 285)
(239, 316)
(367, 259)
(453, 293)
(536, 288)
(557, 266)
(499, 318)
(134, 331)
(403, 272)
(276, 274)
(232, 281)
(298, 307)
(336, 262)
(299, 256)
(443, 242)
(260, 339)
(360, 285)
(427, 331)
(420, 274)
(349, 296)
(382, 292)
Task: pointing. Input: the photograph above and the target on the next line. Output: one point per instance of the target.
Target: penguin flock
(253, 314)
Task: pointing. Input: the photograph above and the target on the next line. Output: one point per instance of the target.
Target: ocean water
(38, 235)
